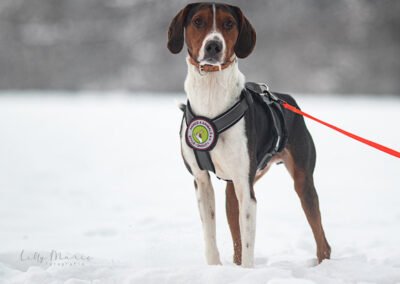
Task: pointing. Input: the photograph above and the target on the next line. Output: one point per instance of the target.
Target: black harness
(254, 97)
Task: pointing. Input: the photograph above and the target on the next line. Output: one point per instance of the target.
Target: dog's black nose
(213, 47)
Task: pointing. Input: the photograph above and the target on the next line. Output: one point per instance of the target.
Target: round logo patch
(201, 134)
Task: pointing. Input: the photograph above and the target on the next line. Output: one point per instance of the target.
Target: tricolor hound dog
(215, 36)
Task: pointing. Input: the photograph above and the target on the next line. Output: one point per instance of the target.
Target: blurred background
(303, 46)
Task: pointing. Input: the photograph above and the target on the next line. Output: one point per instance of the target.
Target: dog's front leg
(206, 203)
(247, 220)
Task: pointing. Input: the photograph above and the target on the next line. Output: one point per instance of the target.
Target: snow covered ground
(93, 190)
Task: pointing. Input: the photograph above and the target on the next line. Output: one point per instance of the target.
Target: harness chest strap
(216, 125)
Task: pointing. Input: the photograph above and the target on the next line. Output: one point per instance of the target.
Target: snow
(98, 180)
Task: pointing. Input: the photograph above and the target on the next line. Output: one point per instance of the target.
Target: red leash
(351, 135)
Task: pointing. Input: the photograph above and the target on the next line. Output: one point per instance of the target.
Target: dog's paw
(249, 264)
(324, 254)
(214, 262)
(213, 258)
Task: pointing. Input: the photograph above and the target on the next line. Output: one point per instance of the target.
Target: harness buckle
(273, 97)
(264, 87)
(265, 90)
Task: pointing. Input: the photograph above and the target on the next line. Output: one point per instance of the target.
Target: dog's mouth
(210, 64)
(211, 61)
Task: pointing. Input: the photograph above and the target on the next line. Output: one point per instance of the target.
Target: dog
(216, 35)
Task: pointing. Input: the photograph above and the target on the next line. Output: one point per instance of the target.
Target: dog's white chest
(210, 96)
(231, 152)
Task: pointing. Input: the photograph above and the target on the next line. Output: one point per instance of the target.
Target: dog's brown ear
(176, 28)
(246, 40)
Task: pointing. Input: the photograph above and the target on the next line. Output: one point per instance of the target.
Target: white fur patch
(214, 18)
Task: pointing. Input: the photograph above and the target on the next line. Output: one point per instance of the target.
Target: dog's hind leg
(301, 171)
(232, 213)
(206, 203)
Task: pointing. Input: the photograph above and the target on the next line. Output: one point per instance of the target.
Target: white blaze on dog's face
(213, 48)
(213, 33)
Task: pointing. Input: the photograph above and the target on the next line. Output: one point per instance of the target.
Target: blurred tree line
(309, 46)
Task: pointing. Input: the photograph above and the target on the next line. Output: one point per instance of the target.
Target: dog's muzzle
(213, 50)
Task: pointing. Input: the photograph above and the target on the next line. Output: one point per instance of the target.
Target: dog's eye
(198, 22)
(228, 24)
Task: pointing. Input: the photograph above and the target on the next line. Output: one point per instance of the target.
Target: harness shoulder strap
(233, 115)
(226, 119)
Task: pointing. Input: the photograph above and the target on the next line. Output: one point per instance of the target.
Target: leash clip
(274, 98)
(265, 90)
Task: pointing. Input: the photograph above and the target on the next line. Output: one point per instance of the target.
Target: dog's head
(213, 33)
